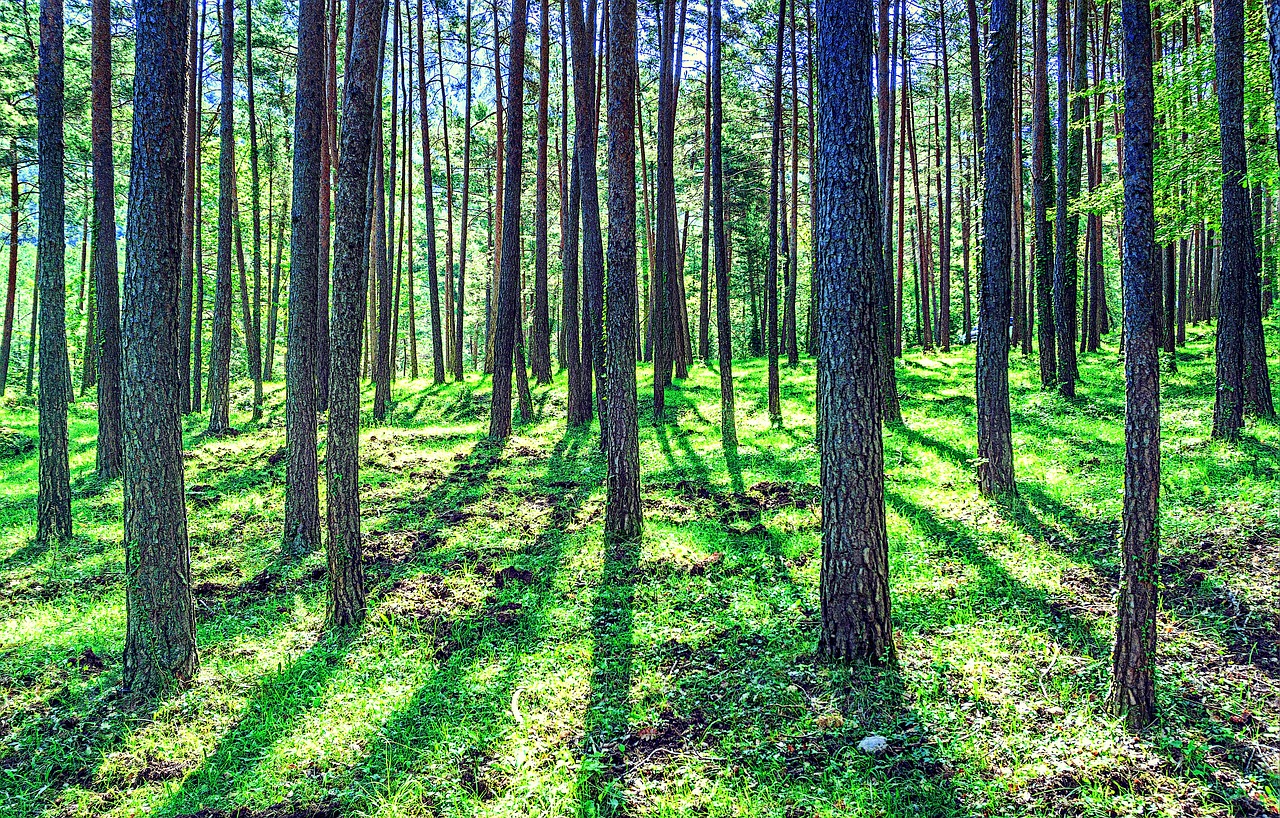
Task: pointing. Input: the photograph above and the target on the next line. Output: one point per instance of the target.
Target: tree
(622, 509)
(195, 54)
(540, 349)
(582, 35)
(302, 499)
(160, 639)
(351, 238)
(508, 288)
(1042, 191)
(771, 262)
(1133, 659)
(1071, 110)
(995, 435)
(105, 275)
(220, 351)
(724, 327)
(253, 339)
(53, 509)
(944, 216)
(11, 290)
(429, 183)
(854, 582)
(466, 199)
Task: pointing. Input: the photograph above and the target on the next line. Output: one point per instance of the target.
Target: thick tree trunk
(854, 583)
(53, 508)
(1133, 659)
(995, 440)
(508, 285)
(160, 639)
(622, 508)
(302, 501)
(350, 272)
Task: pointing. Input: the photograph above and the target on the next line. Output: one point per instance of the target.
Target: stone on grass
(873, 745)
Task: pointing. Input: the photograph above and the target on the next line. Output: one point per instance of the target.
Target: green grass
(511, 664)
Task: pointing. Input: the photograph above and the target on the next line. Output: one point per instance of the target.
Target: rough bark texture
(105, 272)
(771, 262)
(1042, 192)
(508, 317)
(587, 201)
(995, 436)
(622, 507)
(540, 348)
(53, 508)
(1133, 659)
(1237, 225)
(192, 138)
(854, 583)
(220, 351)
(302, 500)
(350, 271)
(160, 640)
(724, 326)
(1067, 223)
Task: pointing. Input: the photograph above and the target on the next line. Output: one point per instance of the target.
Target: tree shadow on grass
(602, 770)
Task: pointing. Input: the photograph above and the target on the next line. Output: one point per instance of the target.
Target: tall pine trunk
(160, 638)
(220, 352)
(105, 259)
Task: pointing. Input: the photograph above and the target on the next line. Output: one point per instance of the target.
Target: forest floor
(512, 665)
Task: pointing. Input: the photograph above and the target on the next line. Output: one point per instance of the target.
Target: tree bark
(771, 262)
(105, 258)
(1133, 658)
(11, 289)
(1067, 223)
(622, 507)
(160, 639)
(854, 581)
(508, 289)
(724, 325)
(220, 351)
(582, 34)
(995, 437)
(1042, 192)
(350, 273)
(53, 508)
(254, 339)
(540, 349)
(302, 500)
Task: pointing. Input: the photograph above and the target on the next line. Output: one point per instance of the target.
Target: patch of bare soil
(129, 771)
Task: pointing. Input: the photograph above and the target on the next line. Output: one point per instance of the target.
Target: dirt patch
(512, 576)
(386, 548)
(479, 775)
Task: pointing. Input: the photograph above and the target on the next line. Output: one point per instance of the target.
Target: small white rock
(873, 745)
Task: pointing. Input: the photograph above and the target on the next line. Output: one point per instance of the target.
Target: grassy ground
(512, 665)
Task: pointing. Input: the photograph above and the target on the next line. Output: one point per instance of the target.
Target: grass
(511, 664)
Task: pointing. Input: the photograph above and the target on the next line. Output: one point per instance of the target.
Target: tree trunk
(704, 282)
(53, 509)
(854, 582)
(302, 501)
(195, 55)
(1133, 659)
(466, 199)
(160, 639)
(995, 440)
(724, 326)
(220, 352)
(1067, 223)
(582, 34)
(622, 508)
(429, 195)
(944, 218)
(1042, 192)
(771, 262)
(540, 350)
(508, 285)
(11, 289)
(254, 338)
(350, 271)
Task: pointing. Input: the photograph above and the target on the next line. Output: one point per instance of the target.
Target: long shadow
(997, 588)
(602, 771)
